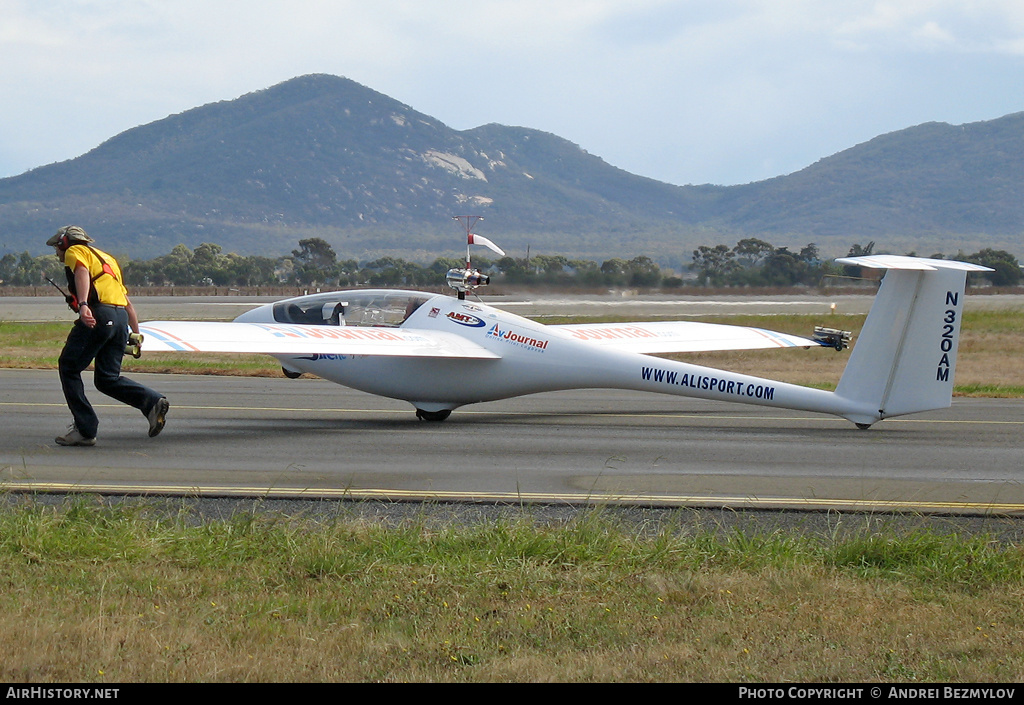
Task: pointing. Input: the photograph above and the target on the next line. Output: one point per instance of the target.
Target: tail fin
(905, 356)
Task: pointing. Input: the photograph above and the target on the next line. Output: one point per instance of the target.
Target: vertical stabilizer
(905, 356)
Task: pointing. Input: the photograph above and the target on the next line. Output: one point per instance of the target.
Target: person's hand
(85, 316)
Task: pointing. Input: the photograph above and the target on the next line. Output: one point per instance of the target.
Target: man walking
(100, 333)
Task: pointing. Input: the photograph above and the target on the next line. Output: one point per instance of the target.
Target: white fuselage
(440, 352)
(533, 358)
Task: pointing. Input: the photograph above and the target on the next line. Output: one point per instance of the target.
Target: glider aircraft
(440, 352)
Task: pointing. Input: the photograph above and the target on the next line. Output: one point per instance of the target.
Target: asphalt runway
(308, 438)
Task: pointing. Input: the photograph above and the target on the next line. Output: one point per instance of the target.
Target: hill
(931, 184)
(323, 156)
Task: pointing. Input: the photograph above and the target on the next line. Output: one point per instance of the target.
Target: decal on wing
(681, 336)
(283, 339)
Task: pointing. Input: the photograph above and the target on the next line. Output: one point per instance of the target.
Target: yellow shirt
(108, 285)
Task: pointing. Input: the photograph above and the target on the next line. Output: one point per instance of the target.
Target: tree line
(750, 262)
(754, 262)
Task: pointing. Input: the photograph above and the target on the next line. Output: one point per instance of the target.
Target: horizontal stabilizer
(920, 264)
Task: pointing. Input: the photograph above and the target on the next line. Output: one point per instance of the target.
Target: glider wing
(282, 339)
(682, 336)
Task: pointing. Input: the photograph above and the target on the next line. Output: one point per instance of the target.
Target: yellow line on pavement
(399, 495)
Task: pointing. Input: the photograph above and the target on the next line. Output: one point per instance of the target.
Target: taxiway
(269, 437)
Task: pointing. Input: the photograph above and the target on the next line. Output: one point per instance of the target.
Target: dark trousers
(105, 344)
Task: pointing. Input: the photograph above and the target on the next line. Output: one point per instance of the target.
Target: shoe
(74, 437)
(158, 416)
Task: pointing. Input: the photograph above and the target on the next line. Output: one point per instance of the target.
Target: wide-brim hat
(69, 233)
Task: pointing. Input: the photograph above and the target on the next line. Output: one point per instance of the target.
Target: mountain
(933, 183)
(323, 156)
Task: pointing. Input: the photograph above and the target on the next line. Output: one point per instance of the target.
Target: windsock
(475, 239)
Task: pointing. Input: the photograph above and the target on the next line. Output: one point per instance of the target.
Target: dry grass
(990, 363)
(119, 597)
(990, 357)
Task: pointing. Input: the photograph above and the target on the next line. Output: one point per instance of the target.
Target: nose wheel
(433, 415)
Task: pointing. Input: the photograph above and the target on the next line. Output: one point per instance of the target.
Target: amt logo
(464, 319)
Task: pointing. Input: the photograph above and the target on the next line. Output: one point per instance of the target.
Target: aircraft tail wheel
(863, 426)
(433, 415)
(291, 375)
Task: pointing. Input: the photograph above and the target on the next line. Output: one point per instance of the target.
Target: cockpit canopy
(351, 308)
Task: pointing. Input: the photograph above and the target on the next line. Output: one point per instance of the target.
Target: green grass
(994, 391)
(1005, 320)
(38, 345)
(133, 594)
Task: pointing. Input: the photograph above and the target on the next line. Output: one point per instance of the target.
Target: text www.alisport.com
(712, 384)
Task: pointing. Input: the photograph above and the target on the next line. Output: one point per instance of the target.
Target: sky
(683, 91)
